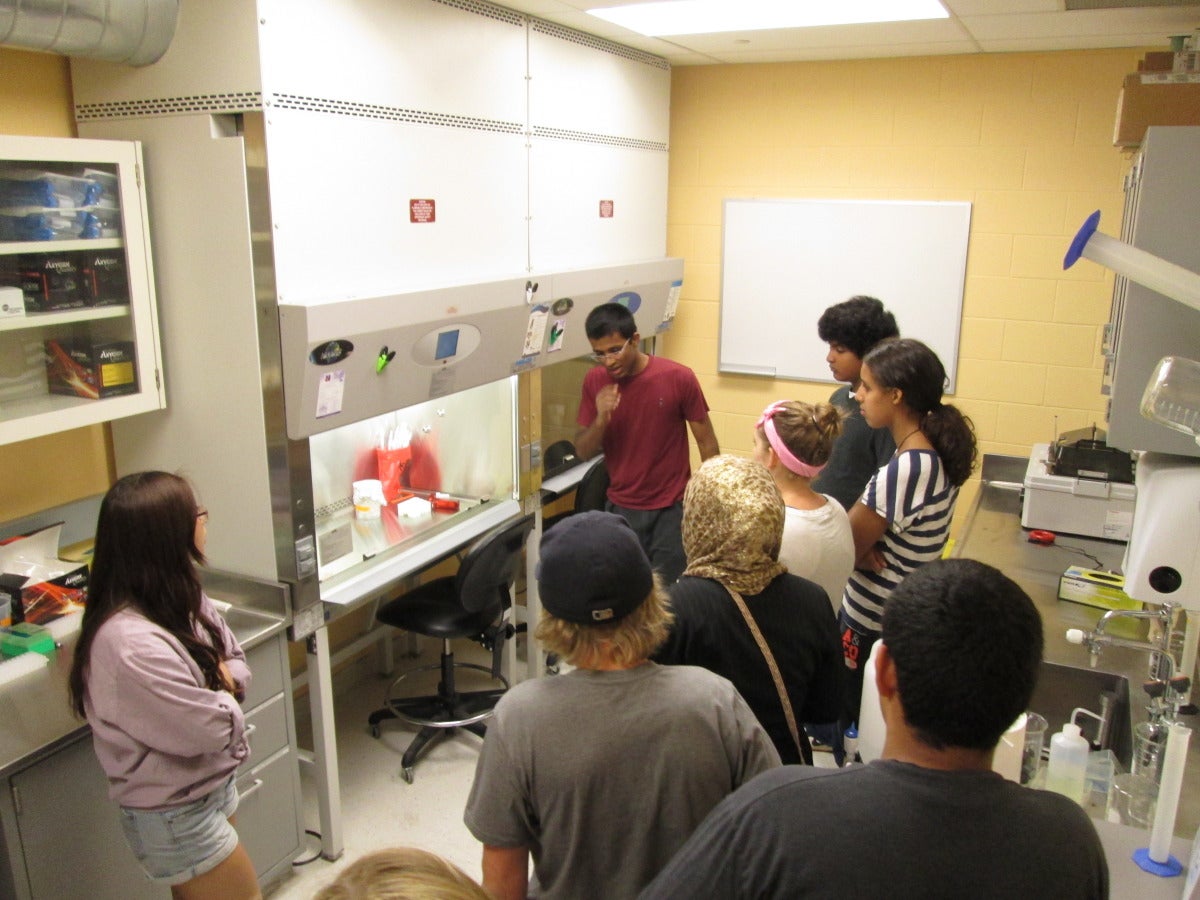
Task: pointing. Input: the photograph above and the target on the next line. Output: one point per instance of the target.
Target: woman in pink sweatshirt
(158, 675)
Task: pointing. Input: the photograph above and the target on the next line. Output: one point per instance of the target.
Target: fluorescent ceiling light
(711, 16)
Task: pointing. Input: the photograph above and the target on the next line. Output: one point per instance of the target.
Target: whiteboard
(785, 261)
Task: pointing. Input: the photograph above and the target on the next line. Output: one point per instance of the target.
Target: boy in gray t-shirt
(602, 773)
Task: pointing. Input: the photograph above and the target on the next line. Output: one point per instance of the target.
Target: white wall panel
(466, 59)
(569, 179)
(213, 429)
(340, 192)
(592, 86)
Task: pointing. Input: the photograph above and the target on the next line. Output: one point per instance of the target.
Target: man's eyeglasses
(602, 355)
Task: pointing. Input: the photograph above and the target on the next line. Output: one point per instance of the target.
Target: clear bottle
(1066, 772)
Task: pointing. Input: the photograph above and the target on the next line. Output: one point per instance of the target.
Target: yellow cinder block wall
(35, 100)
(1026, 138)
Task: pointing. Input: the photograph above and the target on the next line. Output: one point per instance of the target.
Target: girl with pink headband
(794, 440)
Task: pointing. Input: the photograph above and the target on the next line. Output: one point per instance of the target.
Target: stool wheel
(407, 774)
(375, 731)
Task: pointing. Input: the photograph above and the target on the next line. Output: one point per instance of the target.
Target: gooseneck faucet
(1163, 663)
(1097, 639)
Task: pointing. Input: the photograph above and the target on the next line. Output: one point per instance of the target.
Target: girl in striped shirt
(903, 518)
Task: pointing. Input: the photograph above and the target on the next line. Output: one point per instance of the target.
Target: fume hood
(368, 218)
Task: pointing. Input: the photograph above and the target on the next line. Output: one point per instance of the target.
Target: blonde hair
(808, 430)
(402, 873)
(625, 642)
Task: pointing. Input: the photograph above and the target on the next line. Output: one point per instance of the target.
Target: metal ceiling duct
(136, 32)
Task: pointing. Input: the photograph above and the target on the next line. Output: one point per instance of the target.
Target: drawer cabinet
(267, 678)
(269, 810)
(70, 833)
(267, 814)
(61, 835)
(266, 731)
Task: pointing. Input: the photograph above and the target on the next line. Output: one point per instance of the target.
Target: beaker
(1035, 740)
(1149, 739)
(368, 498)
(1132, 799)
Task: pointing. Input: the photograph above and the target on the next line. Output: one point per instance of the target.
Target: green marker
(383, 359)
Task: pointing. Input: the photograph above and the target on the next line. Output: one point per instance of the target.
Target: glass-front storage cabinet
(78, 325)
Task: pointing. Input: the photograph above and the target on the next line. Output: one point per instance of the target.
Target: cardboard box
(40, 586)
(1105, 590)
(1155, 99)
(50, 282)
(12, 302)
(92, 369)
(102, 278)
(1157, 61)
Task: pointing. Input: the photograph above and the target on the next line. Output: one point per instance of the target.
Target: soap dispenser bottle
(1066, 772)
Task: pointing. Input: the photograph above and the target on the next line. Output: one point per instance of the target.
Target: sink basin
(1060, 689)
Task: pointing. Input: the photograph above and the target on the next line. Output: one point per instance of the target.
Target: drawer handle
(244, 794)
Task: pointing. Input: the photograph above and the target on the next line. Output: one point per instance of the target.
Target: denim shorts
(177, 844)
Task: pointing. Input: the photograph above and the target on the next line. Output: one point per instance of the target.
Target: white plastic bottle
(1067, 769)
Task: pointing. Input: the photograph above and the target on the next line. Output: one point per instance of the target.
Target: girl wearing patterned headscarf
(732, 527)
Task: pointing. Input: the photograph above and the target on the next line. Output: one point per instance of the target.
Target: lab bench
(60, 833)
(992, 534)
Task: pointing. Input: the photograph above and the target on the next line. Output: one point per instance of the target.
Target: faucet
(1160, 650)
(1097, 639)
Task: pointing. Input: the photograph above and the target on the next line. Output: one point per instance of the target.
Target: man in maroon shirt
(634, 408)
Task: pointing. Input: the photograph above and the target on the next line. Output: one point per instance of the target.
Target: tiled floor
(379, 808)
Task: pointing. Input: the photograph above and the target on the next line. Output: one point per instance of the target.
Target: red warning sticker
(422, 211)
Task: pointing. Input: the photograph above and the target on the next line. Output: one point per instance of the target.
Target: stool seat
(432, 610)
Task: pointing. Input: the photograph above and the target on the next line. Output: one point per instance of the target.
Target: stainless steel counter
(35, 719)
(992, 534)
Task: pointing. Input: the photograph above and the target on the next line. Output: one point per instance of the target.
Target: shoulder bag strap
(803, 746)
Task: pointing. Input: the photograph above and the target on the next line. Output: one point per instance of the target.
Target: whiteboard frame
(785, 260)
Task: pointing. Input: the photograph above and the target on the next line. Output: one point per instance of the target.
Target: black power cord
(315, 856)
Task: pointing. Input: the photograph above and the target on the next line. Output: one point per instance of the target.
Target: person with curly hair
(851, 328)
